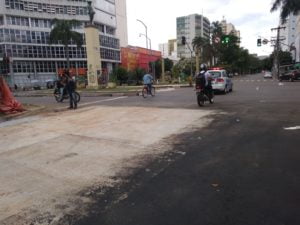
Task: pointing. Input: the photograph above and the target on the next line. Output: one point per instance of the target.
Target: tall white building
(297, 39)
(164, 49)
(290, 34)
(229, 28)
(25, 26)
(190, 26)
(169, 50)
(122, 31)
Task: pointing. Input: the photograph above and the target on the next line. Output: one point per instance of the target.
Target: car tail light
(220, 80)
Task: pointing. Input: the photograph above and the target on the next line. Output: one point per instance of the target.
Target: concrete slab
(44, 163)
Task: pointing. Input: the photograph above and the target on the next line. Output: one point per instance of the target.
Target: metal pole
(146, 32)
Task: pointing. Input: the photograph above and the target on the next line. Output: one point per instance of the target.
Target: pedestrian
(70, 87)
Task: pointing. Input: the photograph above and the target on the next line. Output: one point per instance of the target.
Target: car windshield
(215, 74)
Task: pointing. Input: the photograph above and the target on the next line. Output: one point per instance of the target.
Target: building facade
(169, 50)
(297, 39)
(122, 31)
(229, 28)
(25, 27)
(190, 26)
(290, 35)
(137, 57)
(164, 49)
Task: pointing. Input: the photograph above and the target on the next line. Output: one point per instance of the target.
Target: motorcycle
(204, 95)
(65, 95)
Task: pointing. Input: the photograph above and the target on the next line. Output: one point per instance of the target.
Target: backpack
(200, 79)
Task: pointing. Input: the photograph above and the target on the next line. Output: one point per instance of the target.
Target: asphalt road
(242, 169)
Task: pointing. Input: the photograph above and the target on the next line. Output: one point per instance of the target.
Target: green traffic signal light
(225, 40)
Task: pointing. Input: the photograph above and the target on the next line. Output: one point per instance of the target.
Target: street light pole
(146, 31)
(152, 63)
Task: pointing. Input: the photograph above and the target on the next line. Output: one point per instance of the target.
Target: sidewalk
(108, 92)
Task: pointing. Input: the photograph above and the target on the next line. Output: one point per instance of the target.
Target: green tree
(136, 75)
(63, 33)
(200, 44)
(287, 7)
(120, 74)
(158, 67)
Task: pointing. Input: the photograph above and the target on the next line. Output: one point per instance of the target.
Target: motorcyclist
(204, 79)
(60, 85)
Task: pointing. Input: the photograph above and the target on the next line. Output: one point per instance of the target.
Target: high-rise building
(25, 26)
(164, 49)
(289, 34)
(169, 50)
(121, 13)
(190, 26)
(297, 39)
(229, 28)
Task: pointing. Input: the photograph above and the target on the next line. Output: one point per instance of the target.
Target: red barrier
(8, 103)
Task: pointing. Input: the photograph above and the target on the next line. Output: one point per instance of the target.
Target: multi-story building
(121, 31)
(137, 57)
(190, 26)
(25, 27)
(229, 28)
(297, 39)
(169, 50)
(289, 35)
(164, 49)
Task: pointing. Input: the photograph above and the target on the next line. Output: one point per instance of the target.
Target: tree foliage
(287, 7)
(62, 33)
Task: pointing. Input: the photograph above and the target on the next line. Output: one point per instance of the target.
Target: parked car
(268, 74)
(50, 83)
(36, 84)
(221, 80)
(289, 72)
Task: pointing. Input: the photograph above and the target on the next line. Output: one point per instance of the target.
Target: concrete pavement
(47, 161)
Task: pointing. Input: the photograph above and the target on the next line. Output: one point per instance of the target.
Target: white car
(221, 81)
(268, 74)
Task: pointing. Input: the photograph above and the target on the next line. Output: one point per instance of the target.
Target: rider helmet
(203, 67)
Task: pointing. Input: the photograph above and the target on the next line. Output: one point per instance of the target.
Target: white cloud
(252, 18)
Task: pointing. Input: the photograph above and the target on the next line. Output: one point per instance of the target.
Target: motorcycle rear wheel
(200, 100)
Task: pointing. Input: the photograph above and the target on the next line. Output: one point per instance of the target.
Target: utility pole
(277, 48)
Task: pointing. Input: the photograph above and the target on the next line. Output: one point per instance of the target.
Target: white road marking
(280, 84)
(257, 88)
(166, 89)
(292, 128)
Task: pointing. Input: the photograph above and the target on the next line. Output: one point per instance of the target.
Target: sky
(252, 17)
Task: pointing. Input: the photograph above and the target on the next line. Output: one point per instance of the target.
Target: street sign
(265, 41)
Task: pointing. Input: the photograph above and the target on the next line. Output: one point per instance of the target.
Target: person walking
(70, 87)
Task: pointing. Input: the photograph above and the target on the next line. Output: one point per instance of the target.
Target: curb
(102, 94)
(25, 113)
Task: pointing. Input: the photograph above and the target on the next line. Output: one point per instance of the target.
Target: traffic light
(259, 42)
(225, 39)
(183, 40)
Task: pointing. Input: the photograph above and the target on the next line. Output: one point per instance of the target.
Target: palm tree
(199, 44)
(287, 7)
(62, 32)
